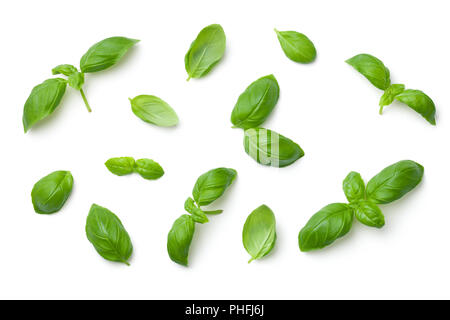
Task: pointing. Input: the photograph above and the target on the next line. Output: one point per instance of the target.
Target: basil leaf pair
(208, 188)
(146, 168)
(205, 51)
(153, 110)
(51, 192)
(335, 220)
(108, 236)
(377, 73)
(296, 46)
(46, 97)
(259, 233)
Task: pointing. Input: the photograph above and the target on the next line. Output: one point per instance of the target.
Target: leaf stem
(381, 109)
(85, 101)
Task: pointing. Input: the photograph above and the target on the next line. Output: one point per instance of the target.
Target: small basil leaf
(205, 52)
(214, 212)
(259, 233)
(369, 214)
(353, 187)
(419, 102)
(270, 148)
(389, 95)
(76, 80)
(153, 110)
(108, 236)
(149, 169)
(326, 226)
(256, 103)
(65, 69)
(43, 100)
(394, 182)
(296, 46)
(51, 192)
(371, 68)
(180, 238)
(105, 53)
(197, 214)
(120, 166)
(212, 184)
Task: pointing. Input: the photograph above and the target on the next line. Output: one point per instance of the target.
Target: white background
(327, 107)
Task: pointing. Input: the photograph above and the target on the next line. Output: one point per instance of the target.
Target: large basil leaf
(149, 169)
(120, 166)
(43, 100)
(270, 148)
(368, 213)
(51, 192)
(212, 184)
(419, 102)
(394, 182)
(197, 214)
(205, 52)
(107, 234)
(153, 110)
(105, 53)
(296, 46)
(256, 103)
(180, 238)
(389, 95)
(371, 68)
(353, 187)
(324, 227)
(259, 233)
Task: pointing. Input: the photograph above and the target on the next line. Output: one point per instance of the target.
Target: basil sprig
(335, 220)
(146, 168)
(46, 97)
(51, 192)
(208, 188)
(376, 72)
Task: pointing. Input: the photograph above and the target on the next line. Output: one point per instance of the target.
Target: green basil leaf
(120, 166)
(212, 184)
(149, 169)
(108, 236)
(51, 192)
(153, 110)
(389, 95)
(419, 102)
(326, 226)
(180, 238)
(105, 54)
(371, 68)
(354, 187)
(256, 103)
(296, 46)
(259, 233)
(214, 212)
(205, 52)
(394, 182)
(43, 100)
(76, 80)
(197, 214)
(65, 69)
(270, 148)
(369, 214)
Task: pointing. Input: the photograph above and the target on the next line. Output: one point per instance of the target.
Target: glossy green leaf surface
(43, 100)
(354, 187)
(107, 234)
(212, 184)
(326, 226)
(51, 192)
(389, 95)
(153, 110)
(206, 51)
(105, 53)
(259, 233)
(371, 68)
(180, 238)
(197, 214)
(419, 102)
(394, 182)
(121, 165)
(269, 148)
(256, 103)
(296, 46)
(369, 213)
(148, 169)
